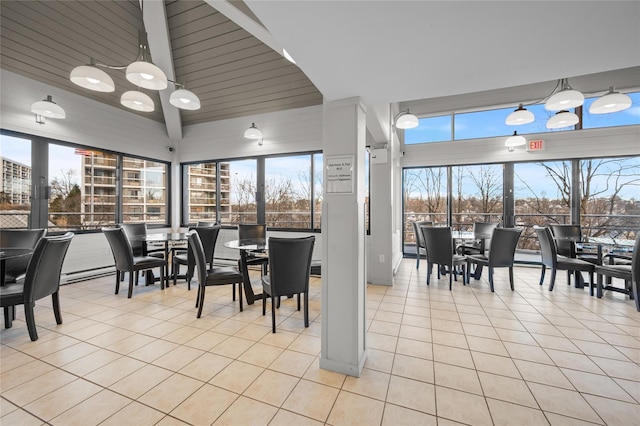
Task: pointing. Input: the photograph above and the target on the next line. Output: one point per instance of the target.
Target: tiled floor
(469, 356)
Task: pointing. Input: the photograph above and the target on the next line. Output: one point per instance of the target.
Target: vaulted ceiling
(230, 52)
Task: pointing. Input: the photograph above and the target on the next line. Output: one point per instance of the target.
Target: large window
(283, 191)
(491, 123)
(425, 197)
(15, 182)
(476, 195)
(78, 188)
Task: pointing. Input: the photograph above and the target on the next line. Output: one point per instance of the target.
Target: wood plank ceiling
(233, 73)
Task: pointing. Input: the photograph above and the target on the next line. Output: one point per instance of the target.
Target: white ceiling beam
(154, 16)
(247, 23)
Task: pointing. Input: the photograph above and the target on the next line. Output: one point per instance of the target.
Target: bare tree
(488, 181)
(62, 185)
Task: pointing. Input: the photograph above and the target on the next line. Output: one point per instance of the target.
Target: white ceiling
(395, 51)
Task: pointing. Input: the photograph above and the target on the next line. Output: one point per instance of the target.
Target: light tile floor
(469, 356)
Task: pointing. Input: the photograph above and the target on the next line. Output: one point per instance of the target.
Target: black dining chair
(439, 245)
(126, 261)
(140, 248)
(15, 269)
(502, 250)
(551, 259)
(629, 273)
(42, 279)
(482, 232)
(216, 276)
(208, 237)
(202, 223)
(421, 248)
(289, 270)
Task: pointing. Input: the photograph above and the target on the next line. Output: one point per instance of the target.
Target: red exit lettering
(535, 145)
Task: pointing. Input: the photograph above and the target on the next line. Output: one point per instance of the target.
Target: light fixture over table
(254, 133)
(141, 72)
(514, 141)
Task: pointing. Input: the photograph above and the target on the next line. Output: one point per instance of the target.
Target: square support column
(343, 238)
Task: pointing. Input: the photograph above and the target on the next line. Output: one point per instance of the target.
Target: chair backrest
(418, 232)
(548, 248)
(483, 232)
(132, 230)
(290, 264)
(120, 247)
(197, 252)
(566, 236)
(19, 238)
(253, 231)
(503, 246)
(439, 244)
(43, 272)
(201, 223)
(208, 238)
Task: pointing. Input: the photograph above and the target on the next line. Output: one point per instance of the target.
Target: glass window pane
(83, 188)
(477, 195)
(288, 192)
(238, 199)
(425, 198)
(627, 117)
(15, 183)
(144, 191)
(542, 196)
(201, 192)
(318, 190)
(609, 206)
(430, 129)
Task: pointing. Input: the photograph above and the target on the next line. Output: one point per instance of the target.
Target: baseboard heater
(86, 274)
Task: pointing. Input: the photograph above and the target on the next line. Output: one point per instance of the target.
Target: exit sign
(535, 145)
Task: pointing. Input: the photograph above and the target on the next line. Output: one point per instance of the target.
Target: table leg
(248, 289)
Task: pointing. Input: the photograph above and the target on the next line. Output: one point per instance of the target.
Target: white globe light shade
(253, 132)
(48, 108)
(564, 99)
(137, 101)
(515, 140)
(406, 120)
(520, 116)
(562, 119)
(611, 102)
(184, 99)
(92, 78)
(146, 75)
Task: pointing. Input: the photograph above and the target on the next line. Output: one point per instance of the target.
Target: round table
(244, 246)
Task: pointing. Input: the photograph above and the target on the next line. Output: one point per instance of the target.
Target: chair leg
(418, 260)
(628, 287)
(451, 273)
(234, 293)
(175, 270)
(591, 283)
(273, 316)
(306, 308)
(264, 305)
(599, 287)
(8, 317)
(429, 267)
(469, 272)
(491, 278)
(635, 290)
(298, 301)
(544, 268)
(198, 297)
(31, 320)
(201, 301)
(511, 277)
(553, 279)
(131, 284)
(569, 277)
(118, 275)
(56, 307)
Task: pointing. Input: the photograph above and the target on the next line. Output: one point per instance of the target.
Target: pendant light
(92, 78)
(184, 99)
(611, 102)
(520, 116)
(562, 119)
(47, 108)
(565, 98)
(138, 101)
(253, 132)
(514, 141)
(406, 120)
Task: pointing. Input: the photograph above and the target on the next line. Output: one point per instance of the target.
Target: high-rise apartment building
(201, 184)
(15, 182)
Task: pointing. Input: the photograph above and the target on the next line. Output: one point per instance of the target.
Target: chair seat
(615, 271)
(12, 294)
(223, 275)
(478, 258)
(459, 259)
(144, 262)
(181, 258)
(574, 264)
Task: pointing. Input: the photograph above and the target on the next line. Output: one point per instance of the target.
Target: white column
(343, 238)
